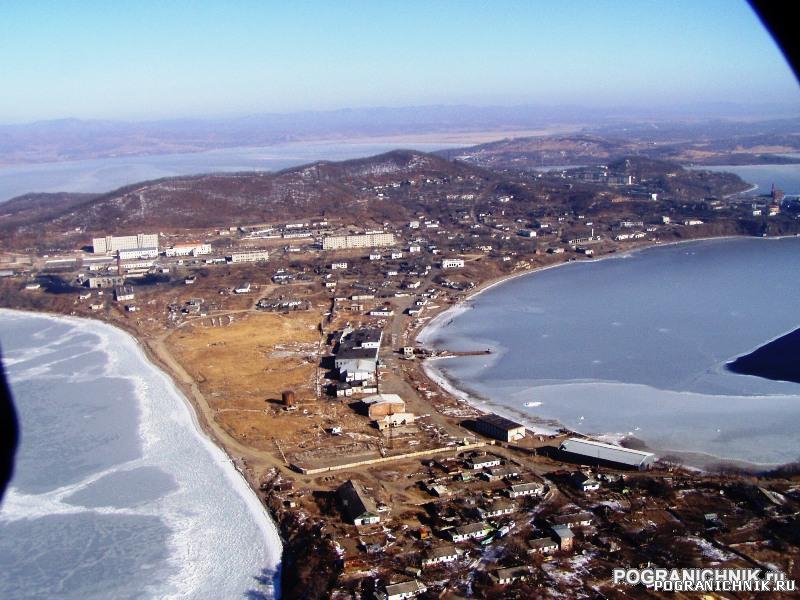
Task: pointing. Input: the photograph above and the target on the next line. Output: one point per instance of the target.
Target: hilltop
(715, 143)
(228, 199)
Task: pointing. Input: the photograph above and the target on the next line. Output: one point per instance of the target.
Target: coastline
(157, 352)
(422, 336)
(233, 472)
(429, 327)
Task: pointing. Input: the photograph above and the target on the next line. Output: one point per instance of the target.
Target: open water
(116, 493)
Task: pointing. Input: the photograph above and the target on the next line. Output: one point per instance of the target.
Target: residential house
(498, 508)
(401, 591)
(544, 545)
(482, 460)
(525, 489)
(440, 555)
(509, 575)
(470, 531)
(584, 482)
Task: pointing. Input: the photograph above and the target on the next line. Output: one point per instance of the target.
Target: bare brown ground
(242, 368)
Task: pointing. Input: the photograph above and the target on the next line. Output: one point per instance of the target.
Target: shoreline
(422, 337)
(425, 328)
(156, 351)
(219, 453)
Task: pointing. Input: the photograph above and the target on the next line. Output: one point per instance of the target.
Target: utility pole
(277, 443)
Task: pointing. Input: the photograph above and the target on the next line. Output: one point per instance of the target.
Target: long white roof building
(608, 452)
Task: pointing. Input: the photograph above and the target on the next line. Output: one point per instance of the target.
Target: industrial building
(565, 537)
(357, 506)
(113, 243)
(188, 249)
(499, 428)
(381, 405)
(123, 293)
(105, 282)
(591, 452)
(367, 240)
(394, 420)
(357, 356)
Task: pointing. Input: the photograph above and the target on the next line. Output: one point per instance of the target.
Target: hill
(351, 188)
(707, 143)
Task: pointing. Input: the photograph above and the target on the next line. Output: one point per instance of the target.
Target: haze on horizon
(149, 60)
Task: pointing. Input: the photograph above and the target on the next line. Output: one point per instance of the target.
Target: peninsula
(286, 307)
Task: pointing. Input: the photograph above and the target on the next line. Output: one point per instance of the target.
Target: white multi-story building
(367, 240)
(250, 256)
(452, 263)
(114, 243)
(134, 253)
(190, 249)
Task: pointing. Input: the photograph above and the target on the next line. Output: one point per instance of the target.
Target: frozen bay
(116, 493)
(637, 345)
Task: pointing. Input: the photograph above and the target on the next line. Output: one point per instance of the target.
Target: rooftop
(406, 587)
(573, 518)
(471, 527)
(441, 551)
(607, 452)
(355, 500)
(370, 353)
(499, 422)
(512, 572)
(563, 532)
(374, 399)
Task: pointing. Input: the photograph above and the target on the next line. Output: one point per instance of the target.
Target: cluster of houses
(492, 520)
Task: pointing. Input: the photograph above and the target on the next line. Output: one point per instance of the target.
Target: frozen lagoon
(116, 492)
(636, 346)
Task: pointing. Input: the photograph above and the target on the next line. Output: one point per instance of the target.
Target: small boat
(532, 404)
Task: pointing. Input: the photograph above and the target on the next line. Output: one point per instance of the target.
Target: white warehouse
(598, 452)
(190, 249)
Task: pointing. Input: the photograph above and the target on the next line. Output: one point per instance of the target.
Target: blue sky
(142, 60)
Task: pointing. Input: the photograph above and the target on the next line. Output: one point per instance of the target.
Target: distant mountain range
(73, 139)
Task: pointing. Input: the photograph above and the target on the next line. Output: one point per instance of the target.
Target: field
(243, 366)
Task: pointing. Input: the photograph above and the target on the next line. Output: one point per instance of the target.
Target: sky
(139, 60)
